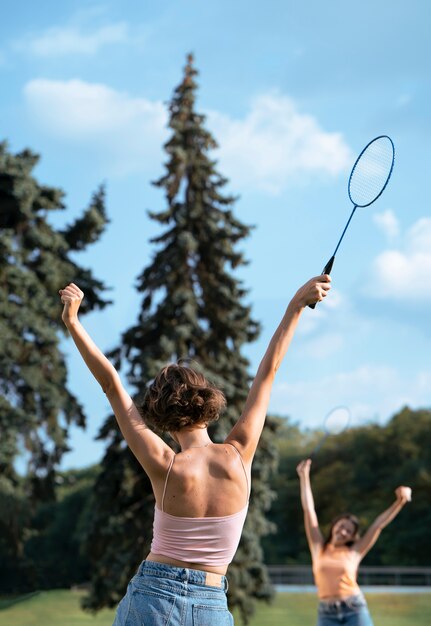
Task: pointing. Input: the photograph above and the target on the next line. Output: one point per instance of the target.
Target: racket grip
(328, 267)
(326, 270)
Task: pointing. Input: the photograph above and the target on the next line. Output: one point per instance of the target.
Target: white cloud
(275, 143)
(369, 392)
(271, 146)
(125, 131)
(405, 274)
(388, 223)
(59, 41)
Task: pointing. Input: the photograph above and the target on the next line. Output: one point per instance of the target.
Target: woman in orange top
(336, 559)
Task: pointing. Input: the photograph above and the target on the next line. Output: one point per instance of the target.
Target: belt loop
(226, 584)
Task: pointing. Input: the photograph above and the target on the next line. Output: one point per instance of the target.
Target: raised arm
(246, 432)
(150, 450)
(311, 523)
(366, 542)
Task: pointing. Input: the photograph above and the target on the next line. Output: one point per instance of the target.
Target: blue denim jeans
(163, 595)
(352, 611)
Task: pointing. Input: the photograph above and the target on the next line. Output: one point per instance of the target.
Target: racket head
(337, 420)
(371, 171)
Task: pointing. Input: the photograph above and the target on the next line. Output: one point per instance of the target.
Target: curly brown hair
(179, 397)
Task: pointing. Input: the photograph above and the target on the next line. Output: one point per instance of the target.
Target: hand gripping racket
(368, 179)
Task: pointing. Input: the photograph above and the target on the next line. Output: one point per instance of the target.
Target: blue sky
(292, 92)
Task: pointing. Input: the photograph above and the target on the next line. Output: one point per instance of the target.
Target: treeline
(51, 537)
(356, 471)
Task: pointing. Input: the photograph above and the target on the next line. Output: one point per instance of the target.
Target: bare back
(204, 482)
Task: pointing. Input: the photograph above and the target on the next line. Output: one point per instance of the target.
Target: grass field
(62, 608)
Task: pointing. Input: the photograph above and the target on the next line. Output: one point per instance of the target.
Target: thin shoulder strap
(166, 481)
(243, 467)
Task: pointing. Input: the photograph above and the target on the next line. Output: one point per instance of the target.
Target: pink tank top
(208, 541)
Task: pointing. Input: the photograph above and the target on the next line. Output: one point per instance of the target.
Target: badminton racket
(367, 181)
(335, 422)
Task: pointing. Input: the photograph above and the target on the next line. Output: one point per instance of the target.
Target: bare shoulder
(229, 454)
(220, 461)
(359, 548)
(236, 450)
(233, 467)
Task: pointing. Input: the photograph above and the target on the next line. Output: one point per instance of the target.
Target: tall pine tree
(192, 307)
(36, 407)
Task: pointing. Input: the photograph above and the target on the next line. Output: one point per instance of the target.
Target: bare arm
(150, 450)
(246, 432)
(365, 543)
(311, 523)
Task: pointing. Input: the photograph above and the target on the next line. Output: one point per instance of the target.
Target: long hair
(351, 518)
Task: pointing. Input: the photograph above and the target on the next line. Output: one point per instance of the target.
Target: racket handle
(318, 446)
(328, 267)
(326, 270)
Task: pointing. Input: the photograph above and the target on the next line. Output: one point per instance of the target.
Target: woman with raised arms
(201, 493)
(336, 559)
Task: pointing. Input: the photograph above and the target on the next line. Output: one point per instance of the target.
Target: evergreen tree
(36, 408)
(192, 308)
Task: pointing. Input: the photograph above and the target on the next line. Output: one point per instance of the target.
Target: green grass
(51, 608)
(299, 609)
(62, 608)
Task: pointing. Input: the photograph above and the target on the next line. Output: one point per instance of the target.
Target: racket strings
(337, 421)
(371, 172)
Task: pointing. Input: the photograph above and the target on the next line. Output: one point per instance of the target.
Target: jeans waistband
(345, 603)
(183, 574)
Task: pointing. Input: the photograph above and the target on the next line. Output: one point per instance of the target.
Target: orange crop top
(335, 571)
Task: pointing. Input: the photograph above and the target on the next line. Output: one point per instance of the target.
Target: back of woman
(201, 493)
(211, 481)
